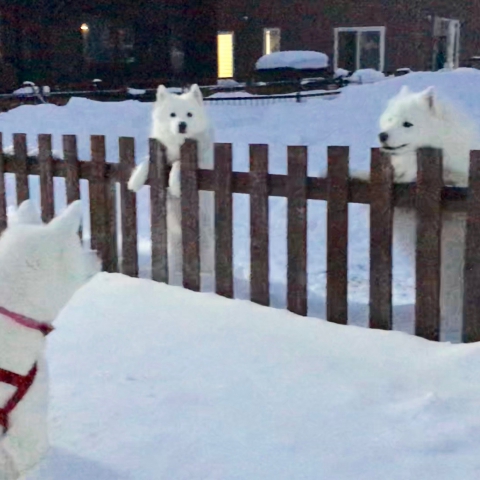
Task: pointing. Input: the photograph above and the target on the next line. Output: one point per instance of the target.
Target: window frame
(269, 29)
(358, 30)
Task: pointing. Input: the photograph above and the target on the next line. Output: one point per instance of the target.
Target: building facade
(56, 42)
(62, 42)
(381, 34)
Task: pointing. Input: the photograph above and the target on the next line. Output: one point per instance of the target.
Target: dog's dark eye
(173, 115)
(407, 124)
(189, 114)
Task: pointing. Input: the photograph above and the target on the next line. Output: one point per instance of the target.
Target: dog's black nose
(383, 137)
(182, 127)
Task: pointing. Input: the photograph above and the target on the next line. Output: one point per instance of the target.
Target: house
(380, 34)
(57, 42)
(145, 42)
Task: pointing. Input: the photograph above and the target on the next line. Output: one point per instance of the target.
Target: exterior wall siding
(309, 25)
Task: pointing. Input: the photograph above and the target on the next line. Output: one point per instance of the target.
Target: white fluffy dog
(41, 267)
(174, 119)
(421, 119)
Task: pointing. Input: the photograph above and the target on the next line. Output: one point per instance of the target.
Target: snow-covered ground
(153, 382)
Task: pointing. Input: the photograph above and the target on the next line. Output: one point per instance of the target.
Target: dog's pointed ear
(196, 93)
(162, 93)
(404, 91)
(69, 221)
(429, 96)
(27, 214)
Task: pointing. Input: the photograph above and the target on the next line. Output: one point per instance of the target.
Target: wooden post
(337, 235)
(3, 198)
(72, 166)
(297, 230)
(128, 205)
(381, 230)
(471, 322)
(45, 161)
(158, 202)
(102, 207)
(223, 220)
(259, 243)
(21, 176)
(428, 251)
(190, 211)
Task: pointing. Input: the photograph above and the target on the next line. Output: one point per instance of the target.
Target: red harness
(22, 382)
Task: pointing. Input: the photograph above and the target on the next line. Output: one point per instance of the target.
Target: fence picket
(98, 201)
(3, 197)
(337, 235)
(337, 189)
(381, 229)
(158, 210)
(190, 211)
(428, 251)
(297, 230)
(21, 176)
(72, 166)
(471, 322)
(45, 161)
(128, 206)
(259, 243)
(223, 220)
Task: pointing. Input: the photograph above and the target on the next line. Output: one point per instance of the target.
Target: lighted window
(271, 40)
(225, 54)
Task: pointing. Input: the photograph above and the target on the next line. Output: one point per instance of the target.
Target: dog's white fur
(168, 112)
(422, 119)
(41, 267)
(434, 123)
(187, 108)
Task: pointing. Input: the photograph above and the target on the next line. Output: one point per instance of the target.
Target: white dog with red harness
(41, 267)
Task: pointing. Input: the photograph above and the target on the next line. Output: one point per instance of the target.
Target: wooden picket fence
(428, 195)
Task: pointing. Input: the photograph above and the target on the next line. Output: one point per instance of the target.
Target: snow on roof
(293, 59)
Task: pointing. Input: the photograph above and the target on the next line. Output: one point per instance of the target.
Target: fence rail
(429, 196)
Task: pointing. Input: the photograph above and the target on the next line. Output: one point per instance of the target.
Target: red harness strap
(45, 328)
(22, 382)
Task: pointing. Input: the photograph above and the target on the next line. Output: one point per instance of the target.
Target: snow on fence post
(158, 210)
(337, 234)
(297, 230)
(428, 249)
(471, 308)
(45, 161)
(3, 197)
(128, 207)
(381, 233)
(259, 243)
(21, 177)
(223, 220)
(190, 213)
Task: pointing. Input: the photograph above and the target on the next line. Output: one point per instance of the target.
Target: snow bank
(293, 59)
(367, 75)
(341, 72)
(154, 382)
